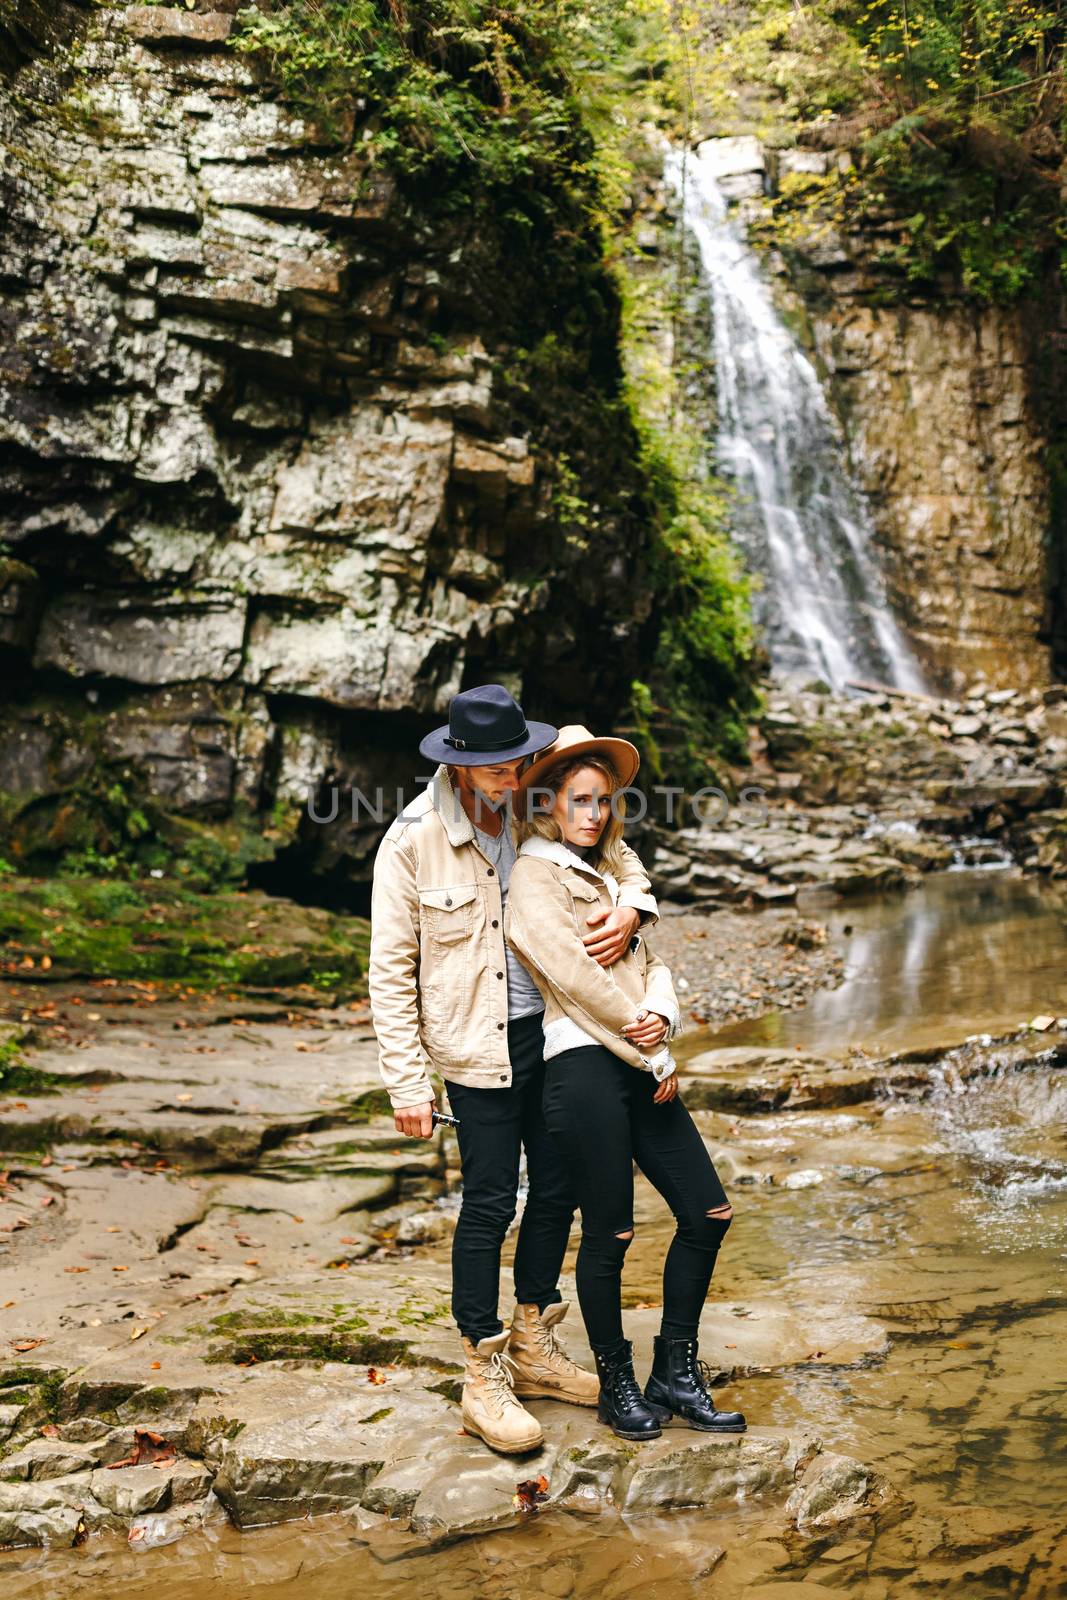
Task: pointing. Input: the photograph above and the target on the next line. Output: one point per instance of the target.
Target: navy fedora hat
(485, 725)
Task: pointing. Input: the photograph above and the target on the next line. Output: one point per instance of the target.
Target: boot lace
(626, 1387)
(499, 1381)
(700, 1373)
(550, 1347)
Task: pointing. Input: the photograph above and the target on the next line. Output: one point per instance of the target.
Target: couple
(521, 979)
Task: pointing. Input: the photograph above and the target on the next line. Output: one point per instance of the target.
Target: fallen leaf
(155, 1365)
(47, 1200)
(113, 1230)
(120, 1269)
(26, 1344)
(134, 1533)
(50, 1431)
(374, 1376)
(75, 1269)
(149, 1448)
(138, 1333)
(251, 1261)
(530, 1493)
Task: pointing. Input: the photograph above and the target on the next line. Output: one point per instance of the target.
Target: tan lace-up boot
(490, 1409)
(540, 1366)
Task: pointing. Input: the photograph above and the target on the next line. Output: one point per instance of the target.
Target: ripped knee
(613, 1243)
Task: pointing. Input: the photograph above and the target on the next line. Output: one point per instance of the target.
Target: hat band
(487, 744)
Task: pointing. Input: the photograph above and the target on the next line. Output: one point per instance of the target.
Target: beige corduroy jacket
(552, 891)
(438, 977)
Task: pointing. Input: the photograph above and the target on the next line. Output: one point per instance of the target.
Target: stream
(943, 1219)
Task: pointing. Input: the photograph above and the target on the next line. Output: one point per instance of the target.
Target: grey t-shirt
(524, 997)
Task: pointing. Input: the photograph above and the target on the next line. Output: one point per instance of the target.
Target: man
(448, 996)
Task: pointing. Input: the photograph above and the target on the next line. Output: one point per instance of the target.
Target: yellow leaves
(137, 1333)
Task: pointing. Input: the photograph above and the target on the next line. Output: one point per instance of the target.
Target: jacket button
(448, 899)
(500, 974)
(503, 1078)
(494, 923)
(490, 873)
(500, 1025)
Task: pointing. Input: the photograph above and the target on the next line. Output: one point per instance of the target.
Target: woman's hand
(666, 1090)
(647, 1030)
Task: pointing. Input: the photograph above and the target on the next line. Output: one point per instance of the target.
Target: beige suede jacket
(552, 891)
(438, 976)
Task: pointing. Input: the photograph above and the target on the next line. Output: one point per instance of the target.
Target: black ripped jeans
(600, 1112)
(495, 1125)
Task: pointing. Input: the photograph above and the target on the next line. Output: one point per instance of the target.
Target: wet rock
(129, 1492)
(834, 1491)
(44, 1458)
(705, 1471)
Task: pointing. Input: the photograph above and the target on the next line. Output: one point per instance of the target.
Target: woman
(611, 1090)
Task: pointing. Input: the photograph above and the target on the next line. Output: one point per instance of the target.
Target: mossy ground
(81, 927)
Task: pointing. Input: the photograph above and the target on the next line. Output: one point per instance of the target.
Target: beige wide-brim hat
(574, 740)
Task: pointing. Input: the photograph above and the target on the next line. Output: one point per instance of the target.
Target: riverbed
(895, 1278)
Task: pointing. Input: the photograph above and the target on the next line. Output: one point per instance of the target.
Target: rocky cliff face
(272, 489)
(946, 433)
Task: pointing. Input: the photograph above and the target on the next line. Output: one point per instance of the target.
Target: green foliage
(445, 89)
(955, 113)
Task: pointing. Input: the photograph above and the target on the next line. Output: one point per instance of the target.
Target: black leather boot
(622, 1405)
(677, 1387)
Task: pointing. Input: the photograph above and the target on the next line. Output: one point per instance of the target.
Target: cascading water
(802, 524)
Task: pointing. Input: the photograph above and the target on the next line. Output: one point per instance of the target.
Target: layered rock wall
(266, 506)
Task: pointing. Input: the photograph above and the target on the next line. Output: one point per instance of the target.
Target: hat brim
(624, 757)
(538, 735)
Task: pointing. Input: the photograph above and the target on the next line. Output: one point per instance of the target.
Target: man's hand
(612, 940)
(415, 1121)
(647, 1030)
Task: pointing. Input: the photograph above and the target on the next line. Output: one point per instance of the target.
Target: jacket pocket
(447, 914)
(580, 888)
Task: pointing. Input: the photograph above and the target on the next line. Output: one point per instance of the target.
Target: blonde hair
(607, 852)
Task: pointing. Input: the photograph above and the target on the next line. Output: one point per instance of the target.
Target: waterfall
(800, 521)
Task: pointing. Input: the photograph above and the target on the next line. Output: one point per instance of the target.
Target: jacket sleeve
(393, 977)
(659, 992)
(635, 890)
(541, 929)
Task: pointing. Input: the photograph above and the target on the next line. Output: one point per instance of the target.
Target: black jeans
(600, 1112)
(494, 1126)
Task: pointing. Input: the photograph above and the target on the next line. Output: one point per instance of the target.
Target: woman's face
(583, 806)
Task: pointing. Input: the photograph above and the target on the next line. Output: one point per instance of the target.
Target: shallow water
(968, 952)
(943, 1220)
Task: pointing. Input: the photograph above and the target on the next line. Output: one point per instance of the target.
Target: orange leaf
(530, 1493)
(26, 1344)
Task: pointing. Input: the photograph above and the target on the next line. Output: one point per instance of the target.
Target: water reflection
(964, 953)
